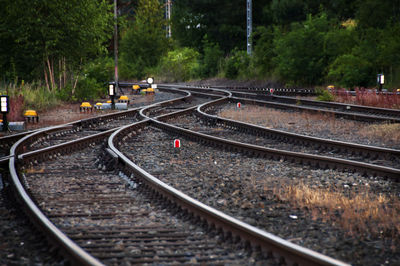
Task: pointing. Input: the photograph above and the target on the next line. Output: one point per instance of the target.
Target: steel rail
(75, 253)
(339, 106)
(215, 219)
(282, 102)
(298, 157)
(347, 115)
(11, 139)
(69, 248)
(297, 138)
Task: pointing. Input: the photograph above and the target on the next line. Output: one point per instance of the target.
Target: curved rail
(371, 151)
(76, 254)
(348, 111)
(298, 157)
(214, 218)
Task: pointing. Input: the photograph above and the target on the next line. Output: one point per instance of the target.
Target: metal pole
(168, 17)
(249, 26)
(116, 47)
(5, 122)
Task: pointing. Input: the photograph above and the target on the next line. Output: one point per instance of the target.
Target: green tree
(49, 40)
(212, 55)
(180, 64)
(263, 51)
(144, 42)
(350, 71)
(299, 53)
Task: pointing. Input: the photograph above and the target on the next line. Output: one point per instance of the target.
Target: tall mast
(168, 17)
(249, 26)
(116, 46)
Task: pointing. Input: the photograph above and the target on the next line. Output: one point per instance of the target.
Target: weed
(324, 95)
(368, 98)
(359, 213)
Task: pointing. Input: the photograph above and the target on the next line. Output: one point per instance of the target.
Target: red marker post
(238, 105)
(177, 143)
(271, 91)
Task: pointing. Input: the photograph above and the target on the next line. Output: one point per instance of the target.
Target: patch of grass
(359, 213)
(383, 132)
(31, 96)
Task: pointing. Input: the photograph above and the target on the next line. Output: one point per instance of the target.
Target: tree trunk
(46, 78)
(51, 74)
(65, 71)
(60, 85)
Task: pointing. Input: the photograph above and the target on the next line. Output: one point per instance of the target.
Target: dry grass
(358, 213)
(368, 98)
(300, 122)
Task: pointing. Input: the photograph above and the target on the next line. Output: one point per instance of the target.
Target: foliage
(350, 71)
(300, 53)
(48, 39)
(237, 65)
(324, 95)
(263, 51)
(224, 22)
(35, 96)
(180, 64)
(212, 56)
(144, 42)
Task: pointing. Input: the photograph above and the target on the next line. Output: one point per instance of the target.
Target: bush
(324, 95)
(237, 65)
(211, 59)
(181, 64)
(89, 89)
(300, 53)
(350, 71)
(101, 70)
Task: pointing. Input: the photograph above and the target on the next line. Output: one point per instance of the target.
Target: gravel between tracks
(90, 204)
(244, 188)
(194, 123)
(317, 125)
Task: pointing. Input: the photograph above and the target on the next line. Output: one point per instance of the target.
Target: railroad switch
(31, 116)
(86, 107)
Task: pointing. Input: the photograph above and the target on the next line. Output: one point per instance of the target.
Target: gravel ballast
(244, 188)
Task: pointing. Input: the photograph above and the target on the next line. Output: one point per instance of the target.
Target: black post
(5, 122)
(112, 102)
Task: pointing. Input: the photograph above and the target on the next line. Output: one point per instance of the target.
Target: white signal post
(111, 93)
(4, 108)
(381, 81)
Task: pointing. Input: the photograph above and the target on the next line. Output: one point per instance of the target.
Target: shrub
(350, 71)
(180, 64)
(211, 59)
(237, 65)
(88, 89)
(324, 95)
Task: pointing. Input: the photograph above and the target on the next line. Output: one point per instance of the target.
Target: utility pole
(116, 46)
(168, 17)
(249, 26)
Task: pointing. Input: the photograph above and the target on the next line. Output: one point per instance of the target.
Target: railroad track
(34, 164)
(347, 111)
(98, 168)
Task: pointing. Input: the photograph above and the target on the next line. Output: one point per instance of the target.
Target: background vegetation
(65, 48)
